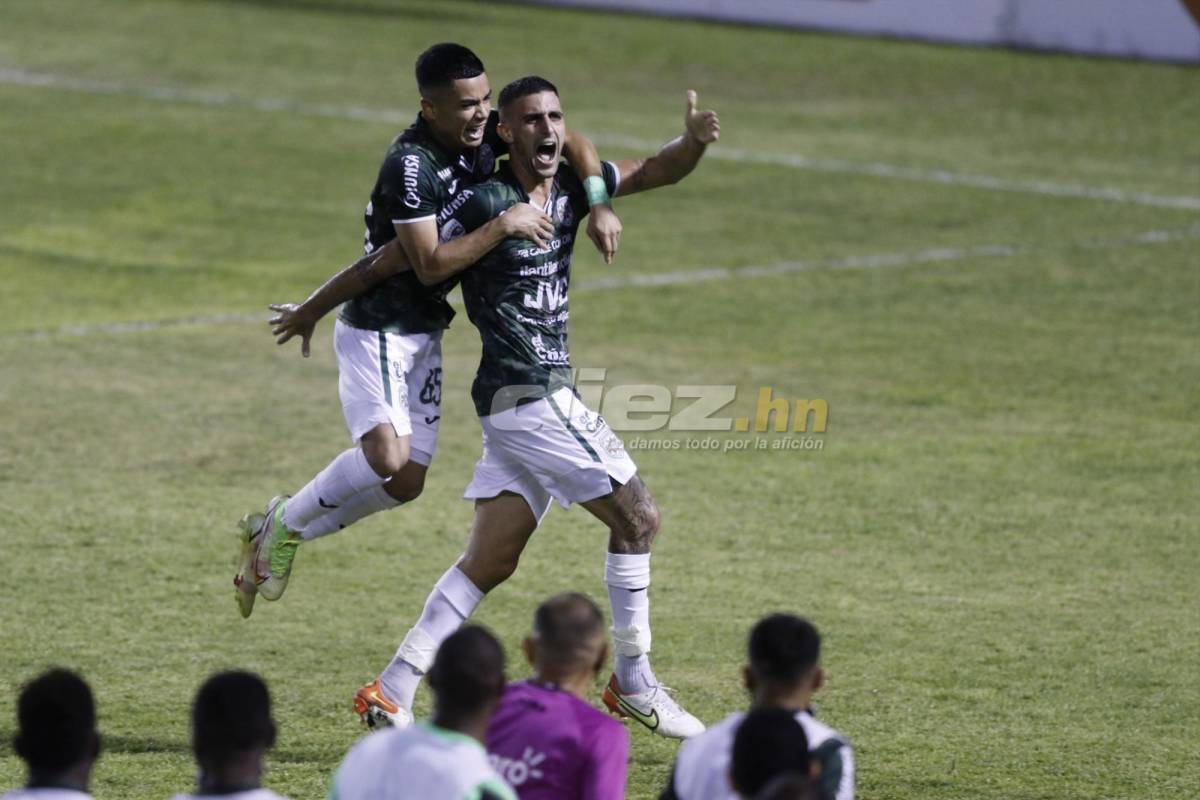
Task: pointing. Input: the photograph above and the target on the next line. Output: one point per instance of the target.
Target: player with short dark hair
(232, 731)
(541, 444)
(443, 64)
(443, 758)
(545, 739)
(388, 336)
(56, 737)
(769, 743)
(783, 672)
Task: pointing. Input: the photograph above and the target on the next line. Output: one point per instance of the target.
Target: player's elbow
(427, 274)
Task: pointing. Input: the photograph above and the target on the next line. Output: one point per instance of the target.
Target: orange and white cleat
(376, 711)
(654, 708)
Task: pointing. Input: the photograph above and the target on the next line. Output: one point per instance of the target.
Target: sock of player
(346, 476)
(452, 600)
(363, 504)
(628, 579)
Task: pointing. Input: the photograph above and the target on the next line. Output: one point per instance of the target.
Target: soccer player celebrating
(232, 731)
(443, 758)
(783, 672)
(541, 444)
(545, 739)
(388, 335)
(56, 737)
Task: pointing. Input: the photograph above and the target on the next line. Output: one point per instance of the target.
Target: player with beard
(388, 335)
(540, 443)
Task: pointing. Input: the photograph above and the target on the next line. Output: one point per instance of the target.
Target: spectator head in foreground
(568, 645)
(467, 678)
(232, 731)
(56, 736)
(784, 662)
(768, 745)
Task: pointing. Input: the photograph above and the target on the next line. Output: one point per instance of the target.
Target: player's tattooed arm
(677, 158)
(604, 227)
(301, 319)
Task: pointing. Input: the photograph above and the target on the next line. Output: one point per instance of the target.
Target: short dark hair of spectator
(523, 87)
(768, 743)
(569, 629)
(791, 786)
(231, 715)
(467, 673)
(56, 717)
(784, 648)
(443, 64)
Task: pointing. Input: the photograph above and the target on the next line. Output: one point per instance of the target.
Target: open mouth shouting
(473, 134)
(545, 156)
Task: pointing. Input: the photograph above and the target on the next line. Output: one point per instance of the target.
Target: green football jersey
(516, 295)
(416, 182)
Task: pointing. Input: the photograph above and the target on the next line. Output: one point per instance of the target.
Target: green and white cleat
(275, 547)
(245, 585)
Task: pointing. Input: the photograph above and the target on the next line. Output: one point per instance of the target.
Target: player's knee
(648, 522)
(487, 575)
(386, 455)
(406, 485)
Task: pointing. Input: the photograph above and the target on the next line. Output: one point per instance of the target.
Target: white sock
(365, 503)
(452, 600)
(346, 476)
(628, 579)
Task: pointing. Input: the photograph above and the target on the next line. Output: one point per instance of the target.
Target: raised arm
(604, 227)
(677, 158)
(301, 319)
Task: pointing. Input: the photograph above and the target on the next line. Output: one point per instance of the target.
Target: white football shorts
(391, 377)
(553, 448)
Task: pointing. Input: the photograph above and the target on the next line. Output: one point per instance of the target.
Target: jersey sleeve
(476, 206)
(608, 763)
(491, 137)
(408, 187)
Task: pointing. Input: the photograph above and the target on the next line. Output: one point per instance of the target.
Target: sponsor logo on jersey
(451, 230)
(564, 215)
(455, 204)
(412, 167)
(516, 771)
(543, 270)
(551, 295)
(549, 354)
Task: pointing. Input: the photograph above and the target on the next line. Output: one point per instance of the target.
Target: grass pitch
(997, 538)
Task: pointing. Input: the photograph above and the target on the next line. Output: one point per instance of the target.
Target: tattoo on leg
(639, 515)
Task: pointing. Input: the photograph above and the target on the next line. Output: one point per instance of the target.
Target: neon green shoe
(245, 585)
(274, 550)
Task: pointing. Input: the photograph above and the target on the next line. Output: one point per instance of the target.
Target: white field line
(691, 277)
(20, 77)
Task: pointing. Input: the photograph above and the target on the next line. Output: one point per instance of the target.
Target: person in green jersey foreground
(540, 442)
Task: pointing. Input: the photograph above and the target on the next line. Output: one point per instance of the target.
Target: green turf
(997, 538)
